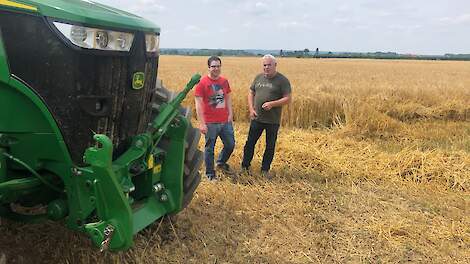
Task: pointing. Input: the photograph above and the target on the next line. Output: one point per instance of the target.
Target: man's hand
(203, 128)
(267, 106)
(253, 114)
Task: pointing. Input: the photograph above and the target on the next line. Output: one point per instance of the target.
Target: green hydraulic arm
(161, 186)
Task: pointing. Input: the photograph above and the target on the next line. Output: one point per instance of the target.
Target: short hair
(213, 58)
(269, 56)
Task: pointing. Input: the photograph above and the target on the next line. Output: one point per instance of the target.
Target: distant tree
(173, 52)
(281, 53)
(306, 52)
(317, 52)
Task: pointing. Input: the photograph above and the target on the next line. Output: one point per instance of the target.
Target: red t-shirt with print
(214, 98)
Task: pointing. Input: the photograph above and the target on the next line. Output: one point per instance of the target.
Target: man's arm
(251, 107)
(200, 116)
(286, 99)
(230, 109)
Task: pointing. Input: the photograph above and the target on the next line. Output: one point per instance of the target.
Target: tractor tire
(193, 156)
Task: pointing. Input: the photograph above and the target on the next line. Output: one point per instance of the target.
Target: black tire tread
(193, 169)
(193, 156)
(193, 143)
(188, 196)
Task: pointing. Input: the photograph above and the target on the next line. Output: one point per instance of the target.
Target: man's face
(269, 67)
(214, 69)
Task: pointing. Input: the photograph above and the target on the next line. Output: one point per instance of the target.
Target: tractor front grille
(86, 91)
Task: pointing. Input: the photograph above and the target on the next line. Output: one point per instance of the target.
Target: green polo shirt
(269, 89)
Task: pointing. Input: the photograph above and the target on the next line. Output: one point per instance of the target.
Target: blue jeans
(225, 132)
(256, 129)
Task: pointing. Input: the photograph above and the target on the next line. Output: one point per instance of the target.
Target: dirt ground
(317, 210)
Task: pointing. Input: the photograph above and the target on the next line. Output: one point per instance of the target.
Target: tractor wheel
(193, 156)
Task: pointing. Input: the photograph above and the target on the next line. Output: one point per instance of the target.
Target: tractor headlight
(152, 42)
(95, 38)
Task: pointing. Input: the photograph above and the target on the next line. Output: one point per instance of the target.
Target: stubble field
(372, 164)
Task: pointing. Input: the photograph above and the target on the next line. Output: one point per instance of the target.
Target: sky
(431, 27)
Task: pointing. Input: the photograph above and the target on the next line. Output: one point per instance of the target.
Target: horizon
(313, 50)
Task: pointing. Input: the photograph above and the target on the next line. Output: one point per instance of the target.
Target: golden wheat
(327, 92)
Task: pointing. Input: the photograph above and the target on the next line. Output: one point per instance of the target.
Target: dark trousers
(256, 129)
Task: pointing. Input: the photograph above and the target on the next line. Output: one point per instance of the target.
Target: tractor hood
(87, 13)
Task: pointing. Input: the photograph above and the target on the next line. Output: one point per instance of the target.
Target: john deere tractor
(88, 135)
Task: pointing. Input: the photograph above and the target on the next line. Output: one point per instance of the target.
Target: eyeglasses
(216, 66)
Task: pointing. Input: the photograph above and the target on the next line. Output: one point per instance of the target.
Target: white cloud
(294, 25)
(403, 27)
(341, 20)
(248, 24)
(343, 8)
(192, 28)
(258, 8)
(383, 13)
(224, 30)
(462, 19)
(361, 27)
(145, 8)
(261, 5)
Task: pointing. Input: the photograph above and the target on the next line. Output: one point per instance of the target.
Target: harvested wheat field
(372, 166)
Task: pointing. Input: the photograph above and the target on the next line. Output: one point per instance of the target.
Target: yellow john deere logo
(138, 80)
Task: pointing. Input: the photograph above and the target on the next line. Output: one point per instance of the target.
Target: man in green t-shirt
(269, 91)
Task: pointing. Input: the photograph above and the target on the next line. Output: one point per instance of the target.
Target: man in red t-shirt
(215, 115)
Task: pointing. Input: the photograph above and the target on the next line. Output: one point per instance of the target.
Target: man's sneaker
(267, 174)
(224, 167)
(211, 177)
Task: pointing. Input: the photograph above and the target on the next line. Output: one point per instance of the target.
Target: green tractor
(88, 135)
